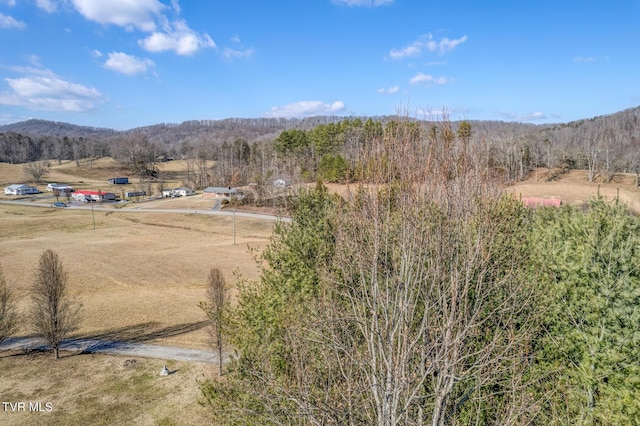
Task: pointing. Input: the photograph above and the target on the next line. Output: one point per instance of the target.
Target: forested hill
(621, 125)
(229, 129)
(303, 147)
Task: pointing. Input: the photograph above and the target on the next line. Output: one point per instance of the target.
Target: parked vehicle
(58, 204)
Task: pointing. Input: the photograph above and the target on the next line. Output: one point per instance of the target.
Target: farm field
(574, 188)
(138, 275)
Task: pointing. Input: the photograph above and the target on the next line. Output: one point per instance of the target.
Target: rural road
(115, 348)
(147, 210)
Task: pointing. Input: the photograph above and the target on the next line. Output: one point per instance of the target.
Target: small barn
(20, 189)
(118, 181)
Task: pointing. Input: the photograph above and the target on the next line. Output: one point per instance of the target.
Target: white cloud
(130, 14)
(531, 116)
(389, 90)
(429, 80)
(41, 89)
(48, 6)
(229, 53)
(127, 64)
(370, 3)
(9, 3)
(426, 42)
(96, 53)
(177, 36)
(590, 58)
(306, 109)
(11, 22)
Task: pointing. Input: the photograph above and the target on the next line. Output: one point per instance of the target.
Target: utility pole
(93, 216)
(234, 226)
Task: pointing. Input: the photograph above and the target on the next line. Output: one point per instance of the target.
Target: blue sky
(129, 63)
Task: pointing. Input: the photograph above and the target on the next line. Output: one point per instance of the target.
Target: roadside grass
(100, 390)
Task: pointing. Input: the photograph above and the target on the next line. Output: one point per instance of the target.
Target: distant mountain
(37, 128)
(622, 127)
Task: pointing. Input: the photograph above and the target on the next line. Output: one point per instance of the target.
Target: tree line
(247, 151)
(428, 296)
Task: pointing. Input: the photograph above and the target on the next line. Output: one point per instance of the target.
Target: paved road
(116, 348)
(146, 210)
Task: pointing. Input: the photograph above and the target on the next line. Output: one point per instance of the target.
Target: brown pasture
(138, 275)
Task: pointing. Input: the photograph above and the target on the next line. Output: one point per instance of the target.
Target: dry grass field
(100, 390)
(574, 188)
(138, 275)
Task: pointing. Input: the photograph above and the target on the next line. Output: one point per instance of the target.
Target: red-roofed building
(94, 196)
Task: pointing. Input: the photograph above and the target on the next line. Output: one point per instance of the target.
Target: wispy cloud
(428, 80)
(389, 90)
(9, 3)
(590, 58)
(7, 21)
(368, 3)
(426, 42)
(239, 52)
(41, 89)
(530, 116)
(48, 6)
(230, 53)
(127, 64)
(306, 109)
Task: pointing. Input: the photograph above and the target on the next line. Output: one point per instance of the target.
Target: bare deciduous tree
(215, 307)
(53, 313)
(36, 170)
(8, 315)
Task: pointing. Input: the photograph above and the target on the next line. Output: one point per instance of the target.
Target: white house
(184, 192)
(20, 189)
(178, 192)
(59, 187)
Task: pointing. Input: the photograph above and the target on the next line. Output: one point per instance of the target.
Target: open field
(100, 390)
(139, 275)
(574, 188)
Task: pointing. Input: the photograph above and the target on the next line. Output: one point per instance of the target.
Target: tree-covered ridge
(330, 148)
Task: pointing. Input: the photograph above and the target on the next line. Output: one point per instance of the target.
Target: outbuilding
(20, 189)
(118, 181)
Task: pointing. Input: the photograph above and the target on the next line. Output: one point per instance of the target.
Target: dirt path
(115, 348)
